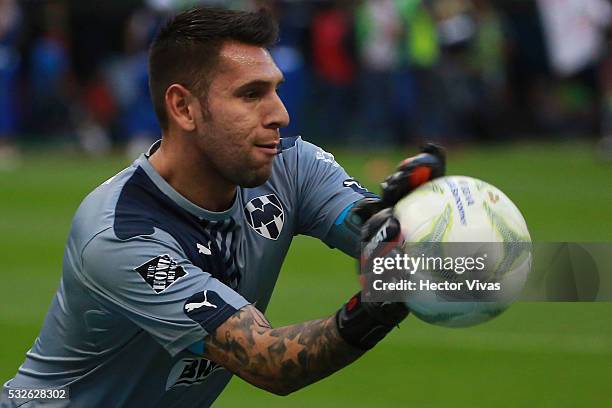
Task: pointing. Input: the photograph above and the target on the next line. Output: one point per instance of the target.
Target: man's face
(238, 133)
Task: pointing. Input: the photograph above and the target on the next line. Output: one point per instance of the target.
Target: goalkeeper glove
(409, 175)
(363, 324)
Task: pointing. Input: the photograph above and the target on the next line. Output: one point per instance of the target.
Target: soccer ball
(453, 219)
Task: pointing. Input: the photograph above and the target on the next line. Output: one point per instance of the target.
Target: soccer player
(170, 264)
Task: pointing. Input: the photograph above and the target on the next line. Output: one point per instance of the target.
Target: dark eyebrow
(257, 84)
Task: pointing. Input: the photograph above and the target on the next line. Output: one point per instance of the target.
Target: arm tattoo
(279, 360)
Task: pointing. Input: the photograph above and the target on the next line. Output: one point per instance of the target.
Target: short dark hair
(186, 49)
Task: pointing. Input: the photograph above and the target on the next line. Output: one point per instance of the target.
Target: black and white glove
(363, 324)
(408, 176)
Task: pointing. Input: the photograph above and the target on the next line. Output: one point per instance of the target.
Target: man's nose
(278, 117)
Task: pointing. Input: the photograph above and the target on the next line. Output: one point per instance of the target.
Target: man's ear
(181, 107)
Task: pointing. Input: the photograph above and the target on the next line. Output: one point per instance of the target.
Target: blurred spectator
(455, 25)
(51, 88)
(127, 76)
(575, 36)
(605, 73)
(10, 21)
(334, 67)
(288, 54)
(378, 30)
(459, 85)
(417, 93)
(489, 66)
(574, 32)
(527, 69)
(606, 81)
(489, 47)
(95, 116)
(385, 71)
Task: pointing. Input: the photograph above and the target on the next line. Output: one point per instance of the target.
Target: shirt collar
(168, 190)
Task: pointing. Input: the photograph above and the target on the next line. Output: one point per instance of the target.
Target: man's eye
(252, 95)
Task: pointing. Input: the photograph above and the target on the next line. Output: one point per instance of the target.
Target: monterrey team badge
(265, 215)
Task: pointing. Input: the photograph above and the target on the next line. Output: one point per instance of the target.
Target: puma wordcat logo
(189, 307)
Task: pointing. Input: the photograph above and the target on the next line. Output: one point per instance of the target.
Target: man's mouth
(269, 148)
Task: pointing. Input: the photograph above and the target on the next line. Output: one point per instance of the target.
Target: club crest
(265, 215)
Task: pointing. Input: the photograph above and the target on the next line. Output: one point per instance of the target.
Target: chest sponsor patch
(265, 215)
(189, 371)
(160, 272)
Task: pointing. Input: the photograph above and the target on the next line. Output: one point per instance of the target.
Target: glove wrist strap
(358, 325)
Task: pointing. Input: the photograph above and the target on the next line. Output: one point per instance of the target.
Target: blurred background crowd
(361, 73)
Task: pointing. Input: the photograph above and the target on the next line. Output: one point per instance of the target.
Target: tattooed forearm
(279, 360)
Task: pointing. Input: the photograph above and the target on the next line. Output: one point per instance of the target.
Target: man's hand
(363, 324)
(409, 175)
(414, 172)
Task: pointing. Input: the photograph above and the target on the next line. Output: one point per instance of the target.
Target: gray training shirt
(147, 274)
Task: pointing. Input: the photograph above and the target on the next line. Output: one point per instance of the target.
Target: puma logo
(189, 307)
(353, 183)
(205, 250)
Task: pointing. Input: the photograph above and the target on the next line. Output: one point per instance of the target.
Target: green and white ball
(452, 212)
